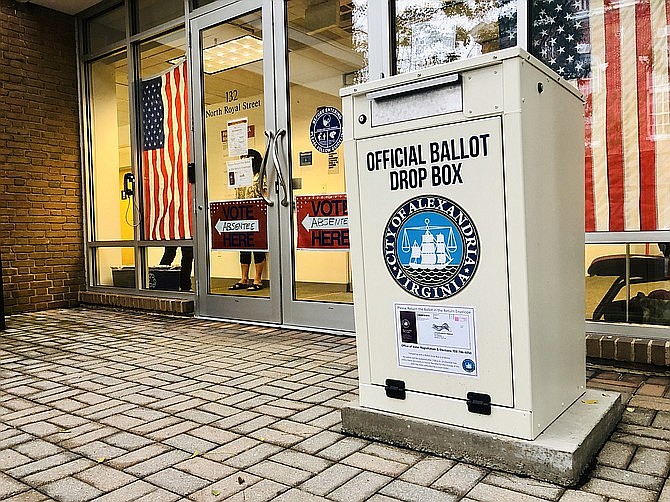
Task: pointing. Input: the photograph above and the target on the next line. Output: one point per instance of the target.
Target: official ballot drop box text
(466, 201)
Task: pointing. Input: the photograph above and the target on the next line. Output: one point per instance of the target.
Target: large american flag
(617, 54)
(167, 193)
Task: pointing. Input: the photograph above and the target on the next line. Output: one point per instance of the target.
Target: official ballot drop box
(465, 188)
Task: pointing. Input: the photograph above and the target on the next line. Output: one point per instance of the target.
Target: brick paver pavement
(119, 406)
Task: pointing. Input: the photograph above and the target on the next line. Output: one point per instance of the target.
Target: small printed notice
(438, 339)
(240, 173)
(238, 141)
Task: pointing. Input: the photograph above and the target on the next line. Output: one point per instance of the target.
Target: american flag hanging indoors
(616, 52)
(167, 193)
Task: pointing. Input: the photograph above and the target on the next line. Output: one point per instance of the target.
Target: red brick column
(41, 240)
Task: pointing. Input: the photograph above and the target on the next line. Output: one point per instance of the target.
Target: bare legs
(245, 267)
(258, 272)
(245, 273)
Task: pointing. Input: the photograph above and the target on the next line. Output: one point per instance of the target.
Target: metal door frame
(261, 309)
(281, 307)
(337, 316)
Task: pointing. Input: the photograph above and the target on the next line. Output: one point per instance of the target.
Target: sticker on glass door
(325, 131)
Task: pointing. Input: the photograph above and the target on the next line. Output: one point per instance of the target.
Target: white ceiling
(67, 6)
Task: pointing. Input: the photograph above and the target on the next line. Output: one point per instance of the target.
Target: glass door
(273, 240)
(325, 48)
(234, 124)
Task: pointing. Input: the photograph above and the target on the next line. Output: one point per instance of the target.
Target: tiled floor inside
(109, 405)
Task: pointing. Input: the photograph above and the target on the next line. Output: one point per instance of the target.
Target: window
(164, 127)
(628, 283)
(112, 217)
(616, 54)
(106, 28)
(118, 218)
(163, 120)
(430, 32)
(151, 13)
(114, 266)
(201, 3)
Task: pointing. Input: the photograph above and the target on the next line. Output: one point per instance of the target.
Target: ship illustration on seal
(430, 252)
(433, 252)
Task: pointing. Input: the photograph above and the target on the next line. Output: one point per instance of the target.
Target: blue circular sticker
(325, 131)
(468, 365)
(431, 247)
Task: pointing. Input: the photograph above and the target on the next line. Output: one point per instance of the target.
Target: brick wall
(41, 241)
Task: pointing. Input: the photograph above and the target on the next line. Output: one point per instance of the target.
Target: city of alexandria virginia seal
(431, 247)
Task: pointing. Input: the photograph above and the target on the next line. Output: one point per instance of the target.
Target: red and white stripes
(628, 117)
(167, 193)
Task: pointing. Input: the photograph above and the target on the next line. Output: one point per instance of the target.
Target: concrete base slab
(561, 454)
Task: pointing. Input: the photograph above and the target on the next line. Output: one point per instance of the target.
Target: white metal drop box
(465, 188)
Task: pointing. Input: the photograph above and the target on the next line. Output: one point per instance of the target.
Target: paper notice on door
(238, 141)
(438, 339)
(240, 173)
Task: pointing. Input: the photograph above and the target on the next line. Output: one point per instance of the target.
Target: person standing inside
(170, 253)
(252, 192)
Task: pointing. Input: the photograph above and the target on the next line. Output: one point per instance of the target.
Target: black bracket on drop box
(479, 403)
(395, 389)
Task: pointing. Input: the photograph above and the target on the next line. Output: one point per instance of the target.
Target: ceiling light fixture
(230, 54)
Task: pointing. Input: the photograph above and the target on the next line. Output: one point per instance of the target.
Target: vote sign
(239, 225)
(323, 222)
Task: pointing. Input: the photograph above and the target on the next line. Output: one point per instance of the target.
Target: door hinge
(395, 389)
(479, 403)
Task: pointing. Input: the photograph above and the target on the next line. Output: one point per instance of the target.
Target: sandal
(239, 285)
(255, 287)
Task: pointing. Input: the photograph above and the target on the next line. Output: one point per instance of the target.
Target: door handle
(280, 175)
(263, 172)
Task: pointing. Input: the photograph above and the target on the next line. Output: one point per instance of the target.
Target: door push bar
(273, 143)
(262, 174)
(280, 175)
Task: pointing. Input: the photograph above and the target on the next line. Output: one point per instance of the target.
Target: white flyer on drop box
(437, 338)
